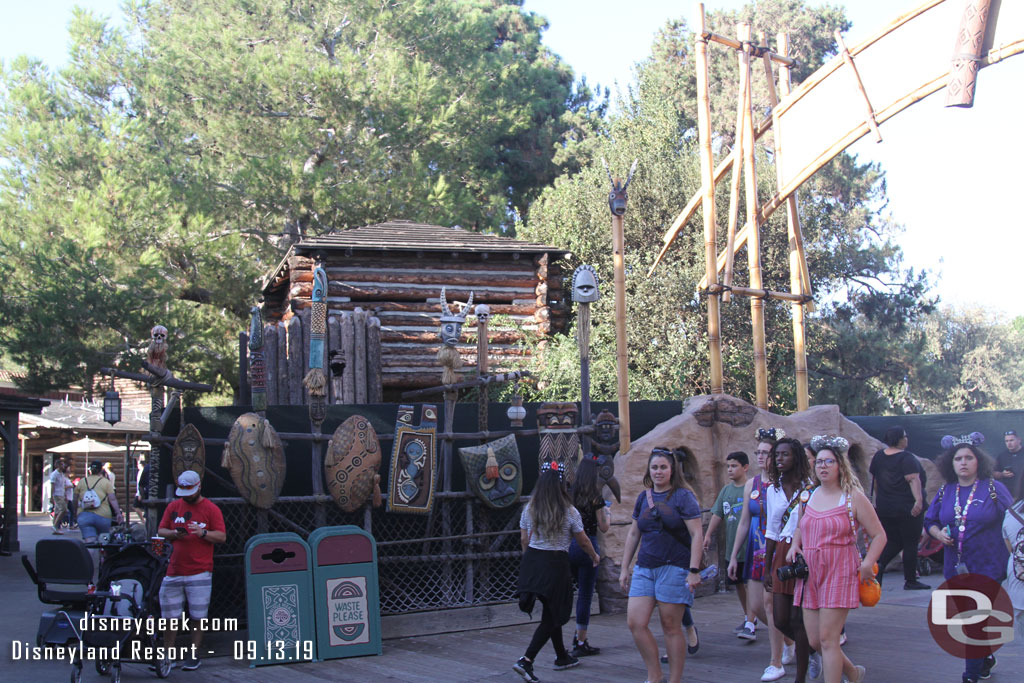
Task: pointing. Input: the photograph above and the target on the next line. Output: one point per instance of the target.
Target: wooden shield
(352, 460)
(189, 452)
(256, 468)
(559, 440)
(413, 462)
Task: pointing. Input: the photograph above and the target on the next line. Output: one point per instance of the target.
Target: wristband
(694, 571)
(204, 533)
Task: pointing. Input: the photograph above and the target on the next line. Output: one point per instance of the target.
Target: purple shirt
(984, 551)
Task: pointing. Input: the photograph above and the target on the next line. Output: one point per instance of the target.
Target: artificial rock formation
(709, 428)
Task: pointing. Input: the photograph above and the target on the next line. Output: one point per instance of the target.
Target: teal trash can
(279, 601)
(346, 593)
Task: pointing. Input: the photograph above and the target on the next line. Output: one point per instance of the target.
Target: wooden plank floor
(891, 640)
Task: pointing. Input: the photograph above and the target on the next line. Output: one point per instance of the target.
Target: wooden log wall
(384, 310)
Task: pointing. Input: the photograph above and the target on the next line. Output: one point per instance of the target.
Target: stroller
(128, 588)
(62, 576)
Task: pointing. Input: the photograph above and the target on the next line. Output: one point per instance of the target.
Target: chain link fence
(462, 554)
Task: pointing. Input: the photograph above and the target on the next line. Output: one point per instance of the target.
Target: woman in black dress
(898, 482)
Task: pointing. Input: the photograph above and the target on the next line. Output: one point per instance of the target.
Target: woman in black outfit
(898, 482)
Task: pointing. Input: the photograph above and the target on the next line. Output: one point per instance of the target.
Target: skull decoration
(508, 486)
(451, 323)
(156, 354)
(617, 198)
(584, 285)
(158, 334)
(483, 313)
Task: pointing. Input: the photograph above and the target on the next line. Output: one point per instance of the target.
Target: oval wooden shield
(256, 468)
(352, 459)
(189, 452)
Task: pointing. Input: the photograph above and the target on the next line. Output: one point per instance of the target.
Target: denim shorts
(665, 584)
(92, 525)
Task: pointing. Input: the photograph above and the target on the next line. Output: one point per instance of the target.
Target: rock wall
(709, 428)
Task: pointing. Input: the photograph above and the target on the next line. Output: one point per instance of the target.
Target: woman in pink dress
(826, 537)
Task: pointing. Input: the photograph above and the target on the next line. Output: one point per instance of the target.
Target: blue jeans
(586, 578)
(92, 525)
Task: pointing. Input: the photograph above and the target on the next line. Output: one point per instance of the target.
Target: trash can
(345, 592)
(279, 601)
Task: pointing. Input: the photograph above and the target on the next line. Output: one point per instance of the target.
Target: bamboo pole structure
(796, 246)
(738, 45)
(760, 293)
(621, 355)
(734, 188)
(754, 239)
(707, 174)
(848, 58)
(583, 340)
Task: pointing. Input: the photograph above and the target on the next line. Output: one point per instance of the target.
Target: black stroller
(133, 571)
(128, 588)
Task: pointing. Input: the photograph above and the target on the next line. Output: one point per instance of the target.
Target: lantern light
(112, 405)
(516, 412)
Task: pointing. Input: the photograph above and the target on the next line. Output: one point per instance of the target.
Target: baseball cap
(188, 483)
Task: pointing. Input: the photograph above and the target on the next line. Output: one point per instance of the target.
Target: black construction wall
(925, 432)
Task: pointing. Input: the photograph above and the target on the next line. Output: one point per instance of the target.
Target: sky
(952, 174)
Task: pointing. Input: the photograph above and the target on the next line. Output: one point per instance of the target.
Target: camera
(797, 570)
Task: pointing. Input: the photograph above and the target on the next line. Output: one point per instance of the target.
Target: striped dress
(832, 558)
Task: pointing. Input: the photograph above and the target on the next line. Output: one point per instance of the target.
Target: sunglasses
(1011, 432)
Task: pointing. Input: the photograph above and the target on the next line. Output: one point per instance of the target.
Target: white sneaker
(773, 673)
(788, 654)
(814, 666)
(842, 639)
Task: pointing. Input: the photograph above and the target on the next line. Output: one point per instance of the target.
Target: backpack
(90, 499)
(1018, 547)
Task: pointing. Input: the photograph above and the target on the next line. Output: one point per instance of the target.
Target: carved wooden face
(584, 285)
(506, 489)
(617, 199)
(450, 333)
(557, 416)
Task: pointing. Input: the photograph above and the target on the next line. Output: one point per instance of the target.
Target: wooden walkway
(891, 640)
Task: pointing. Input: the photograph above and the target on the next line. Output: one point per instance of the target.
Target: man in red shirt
(192, 524)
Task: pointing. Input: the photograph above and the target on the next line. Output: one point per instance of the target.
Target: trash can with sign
(345, 592)
(279, 597)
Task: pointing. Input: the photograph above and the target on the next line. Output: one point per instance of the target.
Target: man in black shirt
(1010, 464)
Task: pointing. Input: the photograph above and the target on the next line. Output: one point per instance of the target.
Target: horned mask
(451, 323)
(617, 198)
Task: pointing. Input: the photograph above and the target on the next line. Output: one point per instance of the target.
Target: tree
(160, 174)
(853, 259)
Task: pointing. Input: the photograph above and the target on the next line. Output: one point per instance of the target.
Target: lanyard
(961, 517)
(758, 492)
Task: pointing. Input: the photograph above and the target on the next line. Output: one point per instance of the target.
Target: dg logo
(970, 616)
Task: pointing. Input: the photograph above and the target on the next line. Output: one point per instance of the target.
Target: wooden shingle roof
(400, 235)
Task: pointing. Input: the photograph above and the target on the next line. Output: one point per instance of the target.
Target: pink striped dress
(832, 558)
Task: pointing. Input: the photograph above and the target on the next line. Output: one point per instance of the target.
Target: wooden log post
(293, 329)
(970, 44)
(283, 397)
(334, 351)
(359, 346)
(797, 262)
(304, 318)
(483, 312)
(374, 378)
(754, 239)
(707, 170)
(270, 352)
(348, 345)
(621, 344)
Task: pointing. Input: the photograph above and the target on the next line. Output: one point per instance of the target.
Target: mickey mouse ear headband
(770, 434)
(836, 444)
(973, 439)
(553, 466)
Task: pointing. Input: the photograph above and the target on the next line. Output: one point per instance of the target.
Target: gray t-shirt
(572, 523)
(1012, 532)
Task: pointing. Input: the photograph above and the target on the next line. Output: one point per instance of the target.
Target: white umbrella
(85, 445)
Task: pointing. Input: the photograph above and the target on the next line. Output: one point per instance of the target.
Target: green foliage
(162, 172)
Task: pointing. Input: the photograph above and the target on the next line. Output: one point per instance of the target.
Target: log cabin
(384, 287)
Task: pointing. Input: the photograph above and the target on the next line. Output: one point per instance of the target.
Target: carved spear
(316, 379)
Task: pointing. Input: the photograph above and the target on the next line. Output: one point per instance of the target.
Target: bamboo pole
(482, 366)
(734, 189)
(848, 58)
(797, 262)
(738, 45)
(621, 354)
(707, 165)
(754, 239)
(760, 293)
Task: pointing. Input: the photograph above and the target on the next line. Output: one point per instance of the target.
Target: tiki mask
(451, 323)
(559, 440)
(500, 492)
(584, 285)
(189, 452)
(617, 198)
(257, 361)
(606, 433)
